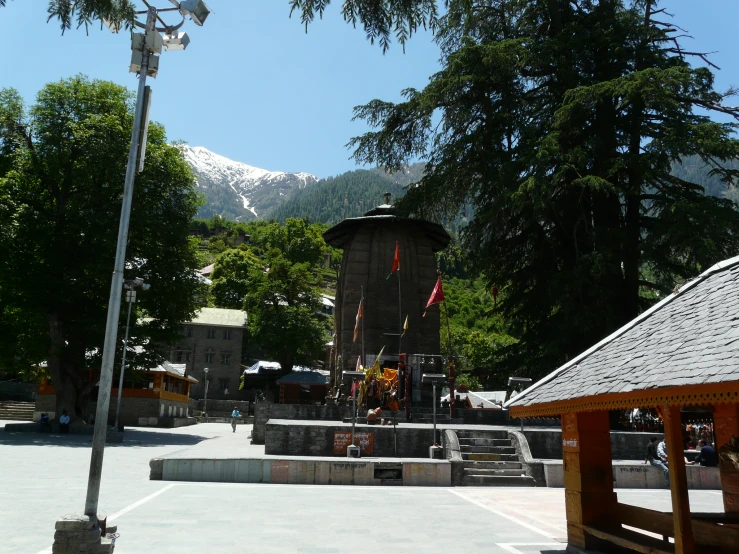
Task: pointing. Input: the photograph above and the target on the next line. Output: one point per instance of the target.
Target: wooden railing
(706, 529)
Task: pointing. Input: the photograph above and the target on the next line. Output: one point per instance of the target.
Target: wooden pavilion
(680, 354)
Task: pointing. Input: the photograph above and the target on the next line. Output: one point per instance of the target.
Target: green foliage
(337, 198)
(282, 308)
(380, 18)
(64, 184)
(559, 124)
(231, 277)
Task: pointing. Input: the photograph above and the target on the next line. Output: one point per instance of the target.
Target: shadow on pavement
(131, 437)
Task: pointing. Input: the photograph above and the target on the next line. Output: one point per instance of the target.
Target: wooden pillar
(684, 540)
(726, 425)
(588, 475)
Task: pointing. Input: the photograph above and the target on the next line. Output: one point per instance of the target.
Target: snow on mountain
(239, 191)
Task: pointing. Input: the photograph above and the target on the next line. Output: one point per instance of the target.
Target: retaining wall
(425, 473)
(641, 476)
(264, 411)
(547, 444)
(299, 438)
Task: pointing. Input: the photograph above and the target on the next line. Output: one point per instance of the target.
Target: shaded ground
(44, 477)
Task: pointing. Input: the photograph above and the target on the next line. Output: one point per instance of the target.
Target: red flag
(437, 295)
(396, 260)
(360, 314)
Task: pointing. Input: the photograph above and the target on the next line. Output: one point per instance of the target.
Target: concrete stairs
(490, 460)
(19, 411)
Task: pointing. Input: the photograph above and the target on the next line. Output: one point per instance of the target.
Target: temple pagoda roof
(337, 235)
(684, 350)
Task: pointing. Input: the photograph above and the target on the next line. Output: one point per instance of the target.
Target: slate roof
(690, 338)
(303, 378)
(221, 317)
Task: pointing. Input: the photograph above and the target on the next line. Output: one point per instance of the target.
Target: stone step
(498, 481)
(488, 449)
(480, 457)
(492, 465)
(481, 434)
(468, 471)
(484, 442)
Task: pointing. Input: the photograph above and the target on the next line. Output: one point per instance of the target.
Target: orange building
(161, 395)
(682, 353)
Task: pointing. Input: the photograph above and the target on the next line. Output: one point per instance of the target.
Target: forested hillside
(336, 198)
(694, 170)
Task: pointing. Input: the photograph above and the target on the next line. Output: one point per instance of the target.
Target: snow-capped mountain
(239, 191)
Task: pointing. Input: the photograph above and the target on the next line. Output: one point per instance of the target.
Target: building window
(186, 332)
(223, 384)
(209, 357)
(227, 334)
(183, 356)
(225, 359)
(211, 333)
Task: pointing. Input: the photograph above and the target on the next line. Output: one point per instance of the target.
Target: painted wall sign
(571, 443)
(365, 441)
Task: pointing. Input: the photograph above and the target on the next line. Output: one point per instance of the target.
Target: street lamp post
(130, 298)
(144, 62)
(205, 400)
(435, 451)
(353, 451)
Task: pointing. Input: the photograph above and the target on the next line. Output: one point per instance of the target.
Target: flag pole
(400, 319)
(452, 396)
(361, 302)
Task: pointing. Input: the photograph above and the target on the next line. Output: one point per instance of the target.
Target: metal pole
(205, 401)
(434, 408)
(131, 298)
(452, 391)
(114, 303)
(354, 409)
(400, 318)
(361, 301)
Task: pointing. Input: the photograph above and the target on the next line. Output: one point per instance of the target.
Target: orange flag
(437, 295)
(396, 260)
(360, 314)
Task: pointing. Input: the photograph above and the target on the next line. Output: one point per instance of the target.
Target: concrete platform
(634, 475)
(305, 471)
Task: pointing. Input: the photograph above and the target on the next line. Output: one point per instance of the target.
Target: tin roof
(221, 317)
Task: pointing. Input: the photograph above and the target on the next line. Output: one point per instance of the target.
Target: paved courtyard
(45, 476)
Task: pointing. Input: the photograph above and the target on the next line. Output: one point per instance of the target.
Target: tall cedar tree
(558, 123)
(63, 162)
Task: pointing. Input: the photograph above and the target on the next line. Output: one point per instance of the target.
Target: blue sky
(254, 87)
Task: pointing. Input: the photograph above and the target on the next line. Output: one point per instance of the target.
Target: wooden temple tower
(369, 243)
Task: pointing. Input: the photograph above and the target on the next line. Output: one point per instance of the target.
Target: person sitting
(44, 422)
(64, 423)
(707, 456)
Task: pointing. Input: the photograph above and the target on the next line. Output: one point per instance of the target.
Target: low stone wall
(640, 476)
(453, 453)
(547, 444)
(304, 438)
(533, 467)
(349, 471)
(221, 406)
(264, 411)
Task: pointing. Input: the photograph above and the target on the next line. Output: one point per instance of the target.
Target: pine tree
(560, 124)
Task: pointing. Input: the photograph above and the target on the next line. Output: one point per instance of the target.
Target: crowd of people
(658, 455)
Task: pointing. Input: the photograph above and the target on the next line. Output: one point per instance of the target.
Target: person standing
(64, 423)
(653, 457)
(235, 414)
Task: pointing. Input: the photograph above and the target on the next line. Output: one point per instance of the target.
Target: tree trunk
(72, 391)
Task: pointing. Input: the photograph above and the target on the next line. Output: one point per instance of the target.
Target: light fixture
(176, 41)
(196, 9)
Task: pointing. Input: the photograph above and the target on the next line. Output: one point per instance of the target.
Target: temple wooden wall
(367, 261)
